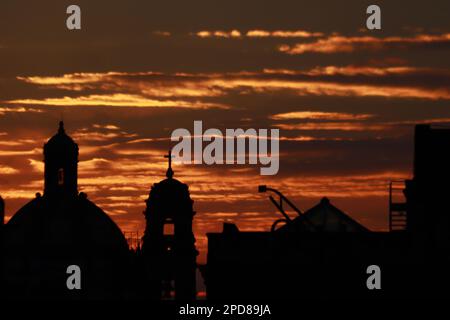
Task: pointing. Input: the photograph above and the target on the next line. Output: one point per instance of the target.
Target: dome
(60, 141)
(44, 237)
(60, 229)
(162, 195)
(74, 223)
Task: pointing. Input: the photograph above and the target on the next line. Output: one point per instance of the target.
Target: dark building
(59, 229)
(323, 217)
(428, 214)
(61, 165)
(169, 243)
(2, 212)
(323, 253)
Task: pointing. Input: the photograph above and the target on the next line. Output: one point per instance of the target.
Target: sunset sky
(344, 98)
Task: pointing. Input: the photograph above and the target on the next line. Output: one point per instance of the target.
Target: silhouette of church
(322, 252)
(62, 228)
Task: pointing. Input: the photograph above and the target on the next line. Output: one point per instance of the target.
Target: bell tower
(169, 242)
(61, 165)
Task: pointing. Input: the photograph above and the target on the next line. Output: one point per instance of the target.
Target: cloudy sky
(344, 98)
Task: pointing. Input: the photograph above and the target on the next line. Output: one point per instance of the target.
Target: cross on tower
(169, 173)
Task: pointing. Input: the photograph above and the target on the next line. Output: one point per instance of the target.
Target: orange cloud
(282, 34)
(335, 89)
(309, 138)
(17, 194)
(8, 153)
(36, 165)
(77, 78)
(150, 89)
(107, 126)
(320, 116)
(336, 43)
(8, 170)
(341, 126)
(219, 34)
(16, 143)
(118, 100)
(100, 136)
(162, 33)
(369, 71)
(350, 126)
(4, 110)
(258, 33)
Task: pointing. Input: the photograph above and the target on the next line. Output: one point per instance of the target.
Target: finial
(169, 173)
(61, 127)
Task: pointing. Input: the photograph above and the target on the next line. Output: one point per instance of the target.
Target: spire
(61, 128)
(169, 173)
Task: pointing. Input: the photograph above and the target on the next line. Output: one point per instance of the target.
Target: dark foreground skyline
(345, 100)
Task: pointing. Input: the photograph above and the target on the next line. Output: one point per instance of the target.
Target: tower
(426, 193)
(169, 242)
(61, 165)
(2, 212)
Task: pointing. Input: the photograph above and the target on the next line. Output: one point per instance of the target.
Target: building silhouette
(61, 166)
(59, 229)
(169, 243)
(321, 253)
(2, 212)
(323, 217)
(428, 216)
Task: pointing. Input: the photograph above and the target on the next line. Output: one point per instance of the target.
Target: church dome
(63, 228)
(162, 196)
(73, 224)
(46, 236)
(60, 141)
(163, 193)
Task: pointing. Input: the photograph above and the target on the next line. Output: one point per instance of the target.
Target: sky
(344, 98)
